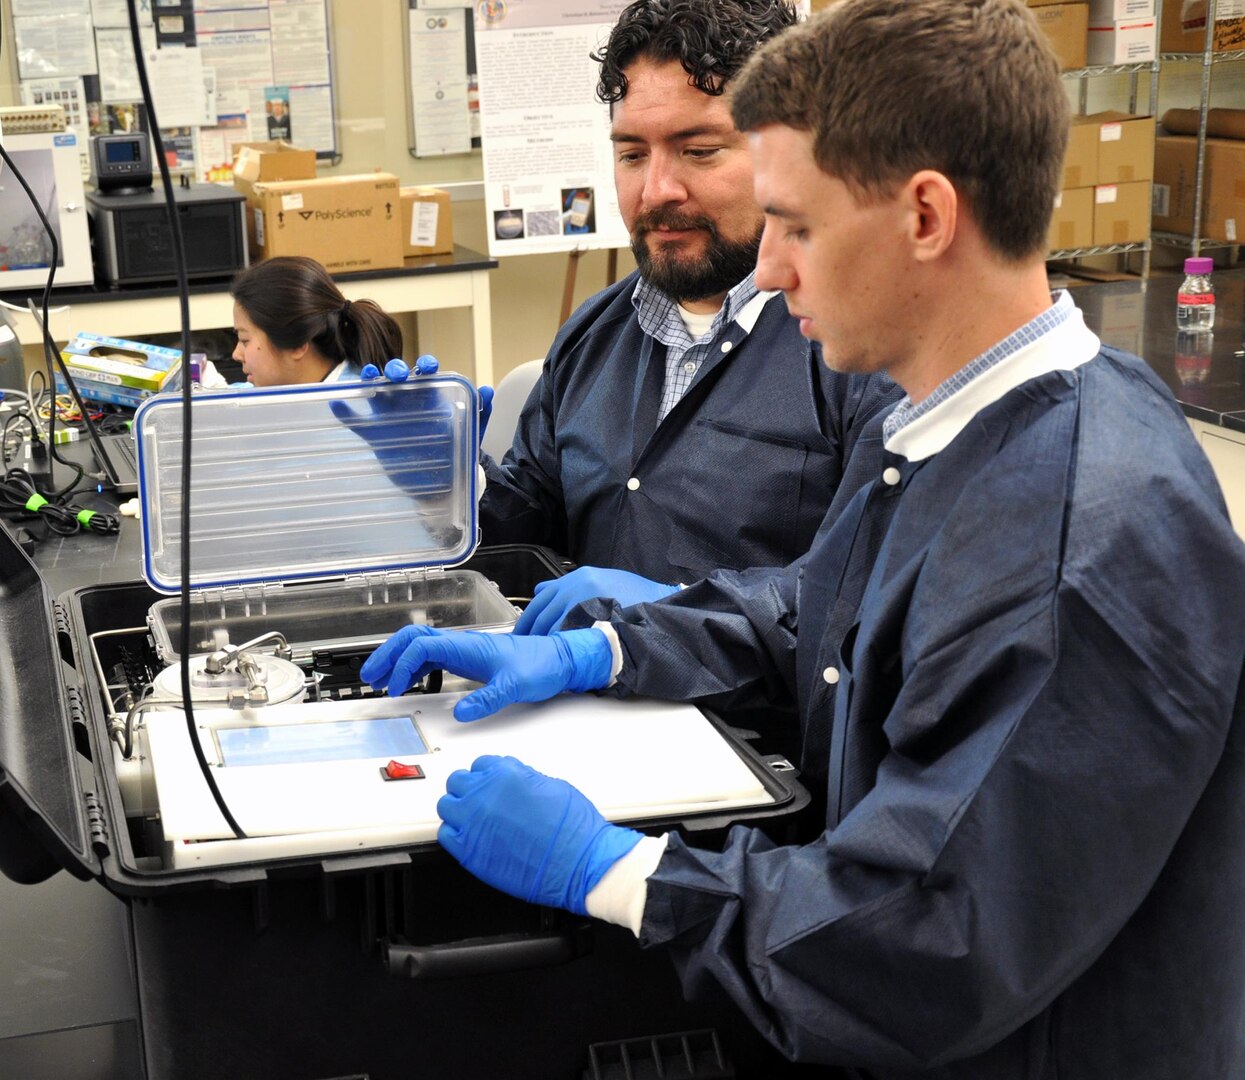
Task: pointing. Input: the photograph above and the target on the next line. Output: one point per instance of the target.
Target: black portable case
(389, 963)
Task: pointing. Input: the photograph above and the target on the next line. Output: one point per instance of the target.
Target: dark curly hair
(712, 39)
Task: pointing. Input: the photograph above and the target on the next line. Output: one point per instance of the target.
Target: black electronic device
(121, 163)
(133, 243)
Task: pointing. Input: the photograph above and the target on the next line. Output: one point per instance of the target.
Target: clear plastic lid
(304, 482)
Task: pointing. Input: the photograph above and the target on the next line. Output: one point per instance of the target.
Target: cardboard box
(119, 362)
(1122, 213)
(1125, 147)
(1067, 27)
(1128, 41)
(268, 162)
(1183, 27)
(427, 227)
(1223, 187)
(1072, 225)
(347, 222)
(1102, 12)
(1043, 3)
(1080, 163)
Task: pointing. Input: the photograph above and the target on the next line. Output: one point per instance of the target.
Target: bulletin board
(222, 72)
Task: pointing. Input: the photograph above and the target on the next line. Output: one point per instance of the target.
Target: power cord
(19, 492)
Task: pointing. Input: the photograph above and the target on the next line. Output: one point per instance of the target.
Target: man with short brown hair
(1032, 723)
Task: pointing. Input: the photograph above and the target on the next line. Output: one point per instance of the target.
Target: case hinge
(77, 714)
(252, 597)
(60, 618)
(97, 824)
(393, 586)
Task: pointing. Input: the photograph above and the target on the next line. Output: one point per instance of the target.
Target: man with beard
(682, 423)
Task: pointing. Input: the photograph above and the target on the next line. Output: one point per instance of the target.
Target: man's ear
(932, 205)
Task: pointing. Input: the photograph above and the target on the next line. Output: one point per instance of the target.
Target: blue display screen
(123, 151)
(339, 740)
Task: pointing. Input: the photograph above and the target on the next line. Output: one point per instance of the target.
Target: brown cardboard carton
(1122, 213)
(1223, 187)
(1072, 225)
(427, 228)
(347, 222)
(1183, 28)
(1125, 147)
(1080, 163)
(1067, 27)
(267, 162)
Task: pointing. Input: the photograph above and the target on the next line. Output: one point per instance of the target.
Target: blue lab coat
(1033, 864)
(740, 473)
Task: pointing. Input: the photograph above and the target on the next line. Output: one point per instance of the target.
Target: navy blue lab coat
(740, 473)
(1033, 864)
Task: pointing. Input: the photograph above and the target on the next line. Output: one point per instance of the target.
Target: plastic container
(1195, 303)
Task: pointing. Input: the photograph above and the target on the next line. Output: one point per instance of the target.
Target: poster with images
(70, 95)
(548, 161)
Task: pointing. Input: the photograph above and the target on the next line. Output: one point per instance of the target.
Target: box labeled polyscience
(346, 222)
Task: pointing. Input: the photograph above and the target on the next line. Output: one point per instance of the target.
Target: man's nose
(774, 270)
(663, 183)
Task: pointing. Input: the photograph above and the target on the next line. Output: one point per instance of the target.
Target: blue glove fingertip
(427, 365)
(396, 370)
(370, 371)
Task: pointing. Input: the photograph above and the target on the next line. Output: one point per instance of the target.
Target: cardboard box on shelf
(1102, 12)
(1072, 225)
(1080, 163)
(1223, 187)
(427, 227)
(1125, 147)
(270, 161)
(347, 222)
(1128, 41)
(1067, 27)
(1183, 27)
(1122, 213)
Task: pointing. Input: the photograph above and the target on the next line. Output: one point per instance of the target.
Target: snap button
(890, 476)
(727, 346)
(633, 484)
(831, 675)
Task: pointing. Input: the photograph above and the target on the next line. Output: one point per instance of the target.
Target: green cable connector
(84, 518)
(36, 503)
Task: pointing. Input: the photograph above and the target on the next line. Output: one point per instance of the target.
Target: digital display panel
(338, 740)
(123, 151)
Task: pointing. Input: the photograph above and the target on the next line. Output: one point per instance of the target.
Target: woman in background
(295, 326)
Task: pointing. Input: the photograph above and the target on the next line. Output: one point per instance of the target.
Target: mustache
(666, 218)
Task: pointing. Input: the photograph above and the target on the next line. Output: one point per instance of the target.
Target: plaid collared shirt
(905, 412)
(660, 319)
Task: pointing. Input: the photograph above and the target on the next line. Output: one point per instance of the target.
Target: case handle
(489, 955)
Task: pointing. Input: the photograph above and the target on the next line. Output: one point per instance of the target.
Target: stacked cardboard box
(1223, 187)
(1067, 28)
(1122, 32)
(1184, 27)
(1106, 182)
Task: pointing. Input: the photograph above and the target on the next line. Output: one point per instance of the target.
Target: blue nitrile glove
(411, 432)
(530, 835)
(512, 668)
(552, 600)
(397, 370)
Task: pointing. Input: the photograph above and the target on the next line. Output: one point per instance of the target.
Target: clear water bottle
(1195, 303)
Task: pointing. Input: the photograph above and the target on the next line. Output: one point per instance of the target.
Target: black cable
(19, 492)
(183, 296)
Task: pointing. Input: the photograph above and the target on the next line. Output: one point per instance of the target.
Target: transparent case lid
(304, 482)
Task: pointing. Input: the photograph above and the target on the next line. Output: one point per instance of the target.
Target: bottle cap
(1199, 265)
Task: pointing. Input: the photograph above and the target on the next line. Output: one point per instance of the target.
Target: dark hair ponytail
(295, 302)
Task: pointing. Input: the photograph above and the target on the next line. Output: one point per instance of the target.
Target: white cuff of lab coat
(611, 635)
(620, 896)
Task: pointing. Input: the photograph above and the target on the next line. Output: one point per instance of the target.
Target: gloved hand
(552, 600)
(530, 835)
(398, 371)
(512, 668)
(411, 433)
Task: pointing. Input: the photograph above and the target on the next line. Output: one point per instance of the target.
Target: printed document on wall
(548, 161)
(438, 49)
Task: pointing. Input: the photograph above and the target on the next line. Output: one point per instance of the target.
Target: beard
(723, 265)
